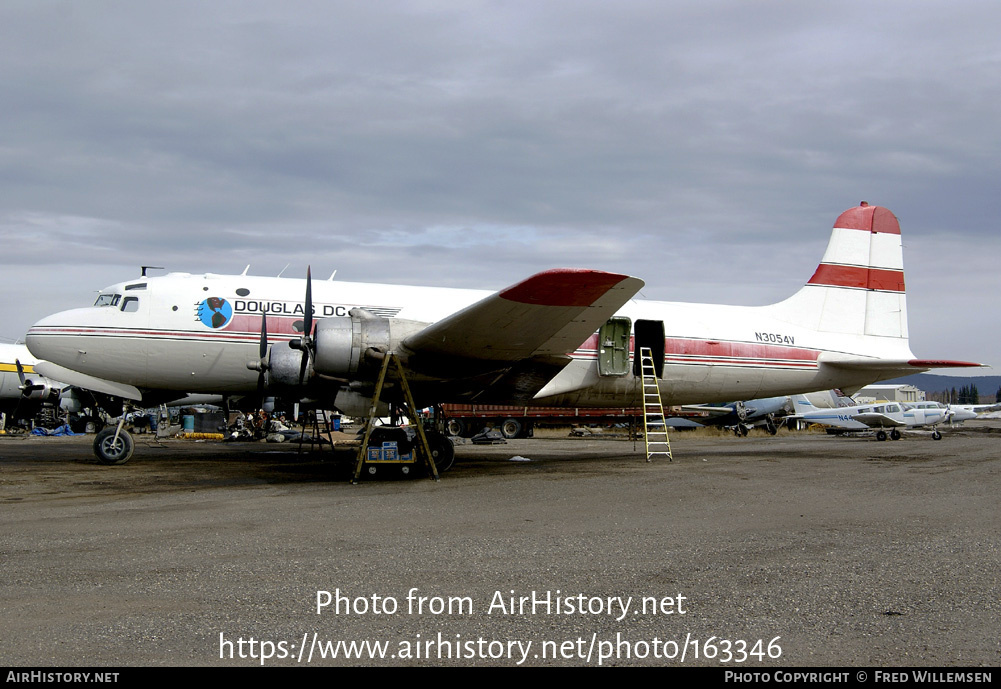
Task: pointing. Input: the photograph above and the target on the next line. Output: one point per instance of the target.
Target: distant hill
(986, 385)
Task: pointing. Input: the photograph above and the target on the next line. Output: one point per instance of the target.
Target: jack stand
(410, 409)
(314, 437)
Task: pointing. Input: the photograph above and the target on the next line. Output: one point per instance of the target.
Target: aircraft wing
(82, 380)
(707, 409)
(876, 420)
(548, 315)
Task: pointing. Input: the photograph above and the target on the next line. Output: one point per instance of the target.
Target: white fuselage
(197, 334)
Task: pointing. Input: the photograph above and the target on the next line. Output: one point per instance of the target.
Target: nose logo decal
(215, 312)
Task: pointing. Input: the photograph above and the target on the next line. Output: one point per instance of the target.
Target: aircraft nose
(47, 340)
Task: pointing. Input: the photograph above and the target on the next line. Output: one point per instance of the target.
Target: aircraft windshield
(108, 300)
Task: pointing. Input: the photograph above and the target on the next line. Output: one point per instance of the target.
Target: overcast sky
(706, 147)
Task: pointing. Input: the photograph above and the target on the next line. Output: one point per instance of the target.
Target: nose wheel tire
(112, 451)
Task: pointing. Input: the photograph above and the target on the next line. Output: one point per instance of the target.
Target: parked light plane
(561, 337)
(880, 416)
(743, 416)
(23, 392)
(965, 412)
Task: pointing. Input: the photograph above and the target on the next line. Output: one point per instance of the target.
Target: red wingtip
(563, 287)
(941, 363)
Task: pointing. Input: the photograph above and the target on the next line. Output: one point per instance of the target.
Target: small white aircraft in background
(879, 416)
(965, 412)
(563, 337)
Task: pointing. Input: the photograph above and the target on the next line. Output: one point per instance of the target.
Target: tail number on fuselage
(776, 338)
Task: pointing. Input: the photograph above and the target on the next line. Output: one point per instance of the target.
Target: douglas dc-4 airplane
(561, 337)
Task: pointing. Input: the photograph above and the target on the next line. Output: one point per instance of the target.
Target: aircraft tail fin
(801, 404)
(858, 288)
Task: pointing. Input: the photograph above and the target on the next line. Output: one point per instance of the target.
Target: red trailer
(467, 420)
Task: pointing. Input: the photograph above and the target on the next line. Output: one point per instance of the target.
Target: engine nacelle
(343, 347)
(37, 390)
(342, 343)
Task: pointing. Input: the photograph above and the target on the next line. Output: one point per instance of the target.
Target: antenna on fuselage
(244, 273)
(331, 278)
(145, 268)
(283, 270)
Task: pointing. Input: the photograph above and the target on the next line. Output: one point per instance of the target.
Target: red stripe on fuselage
(690, 350)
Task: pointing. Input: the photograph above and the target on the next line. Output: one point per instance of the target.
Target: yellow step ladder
(654, 421)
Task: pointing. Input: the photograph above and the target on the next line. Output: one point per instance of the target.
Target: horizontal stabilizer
(904, 367)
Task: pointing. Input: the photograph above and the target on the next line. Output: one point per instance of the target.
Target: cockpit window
(108, 300)
(130, 304)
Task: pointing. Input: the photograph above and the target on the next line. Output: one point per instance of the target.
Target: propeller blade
(264, 336)
(20, 371)
(263, 351)
(304, 365)
(307, 327)
(308, 322)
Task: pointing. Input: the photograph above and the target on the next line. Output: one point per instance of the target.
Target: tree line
(967, 394)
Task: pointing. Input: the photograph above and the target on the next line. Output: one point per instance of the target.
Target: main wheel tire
(510, 428)
(110, 451)
(442, 451)
(895, 434)
(880, 435)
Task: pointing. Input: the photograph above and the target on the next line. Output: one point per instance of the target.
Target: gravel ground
(828, 551)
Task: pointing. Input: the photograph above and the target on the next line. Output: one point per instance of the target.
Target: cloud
(471, 143)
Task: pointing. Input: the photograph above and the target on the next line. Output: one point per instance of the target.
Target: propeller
(261, 365)
(27, 386)
(305, 343)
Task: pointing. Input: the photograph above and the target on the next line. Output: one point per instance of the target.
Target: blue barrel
(188, 423)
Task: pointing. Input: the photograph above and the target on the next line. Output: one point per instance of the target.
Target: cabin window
(138, 285)
(130, 304)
